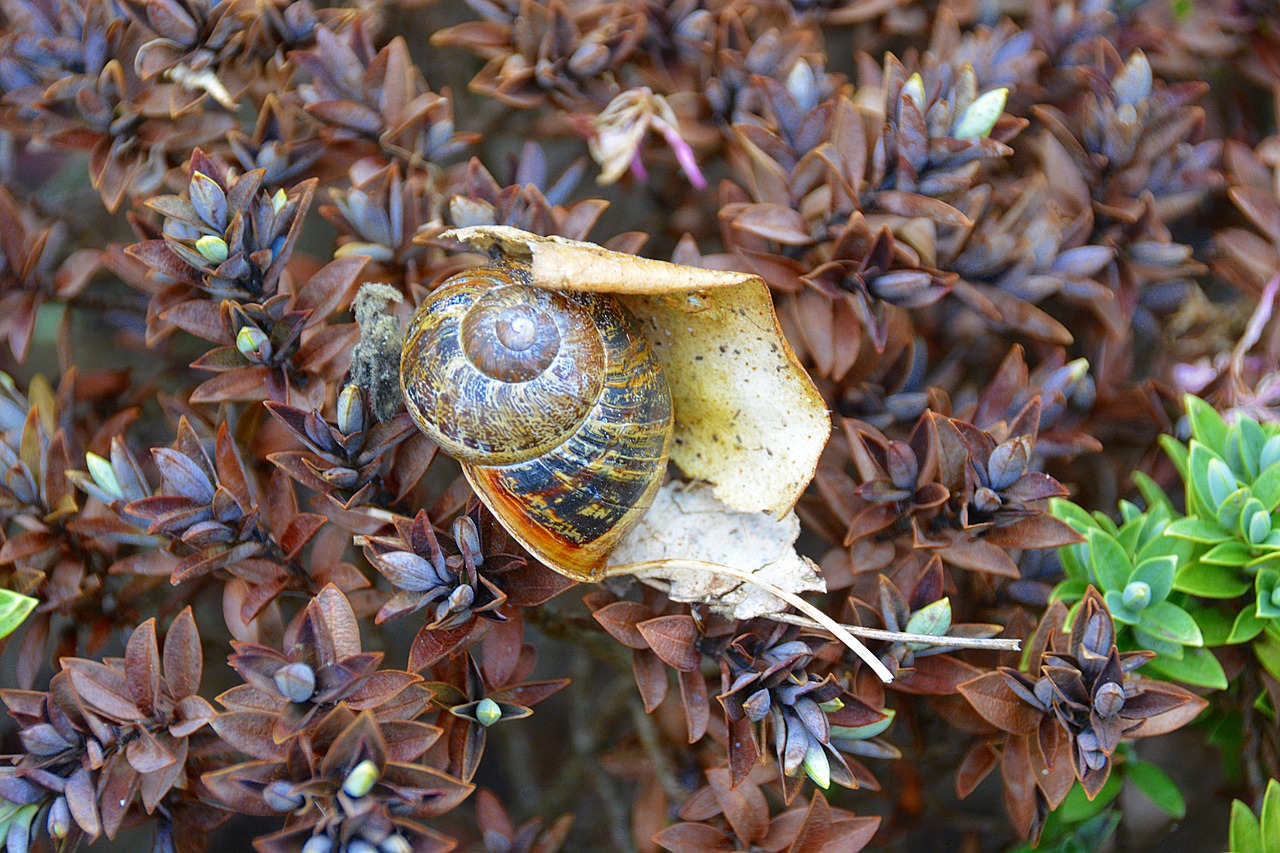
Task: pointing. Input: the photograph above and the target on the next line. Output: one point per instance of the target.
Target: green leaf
(1073, 559)
(14, 609)
(1165, 649)
(1247, 440)
(932, 619)
(1271, 817)
(869, 730)
(1158, 787)
(1077, 807)
(1178, 454)
(1104, 523)
(1120, 613)
(1108, 560)
(1266, 487)
(1198, 530)
(1231, 553)
(1207, 426)
(1247, 625)
(1065, 510)
(1151, 492)
(1215, 625)
(1267, 651)
(1070, 590)
(1129, 537)
(1157, 573)
(1199, 497)
(1198, 667)
(1170, 622)
(1245, 835)
(1211, 581)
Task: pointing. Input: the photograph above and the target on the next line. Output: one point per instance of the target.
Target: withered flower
(193, 43)
(620, 129)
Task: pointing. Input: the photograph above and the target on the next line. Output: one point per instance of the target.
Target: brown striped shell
(553, 402)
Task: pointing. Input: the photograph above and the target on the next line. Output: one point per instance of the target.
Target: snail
(553, 402)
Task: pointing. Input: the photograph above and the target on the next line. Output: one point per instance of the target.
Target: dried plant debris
(688, 523)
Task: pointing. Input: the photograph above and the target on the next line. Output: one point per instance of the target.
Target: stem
(1005, 645)
(822, 619)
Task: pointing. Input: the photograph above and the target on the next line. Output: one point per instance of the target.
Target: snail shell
(553, 402)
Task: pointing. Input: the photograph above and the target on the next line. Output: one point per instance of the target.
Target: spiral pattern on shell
(554, 403)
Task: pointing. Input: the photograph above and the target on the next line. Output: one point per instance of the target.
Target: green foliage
(1134, 565)
(14, 609)
(1081, 825)
(1251, 834)
(1232, 476)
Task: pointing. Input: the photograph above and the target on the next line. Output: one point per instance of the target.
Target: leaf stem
(823, 620)
(1007, 645)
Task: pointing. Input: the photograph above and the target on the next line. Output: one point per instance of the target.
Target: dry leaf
(687, 522)
(748, 418)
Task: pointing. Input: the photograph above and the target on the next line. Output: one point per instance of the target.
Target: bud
(817, 765)
(361, 779)
(212, 248)
(1259, 527)
(589, 59)
(981, 116)
(350, 410)
(318, 844)
(395, 844)
(1137, 595)
(1221, 481)
(914, 89)
(461, 598)
(1275, 596)
(1133, 84)
(103, 474)
(468, 539)
(757, 705)
(902, 465)
(1109, 699)
(985, 500)
(296, 682)
(1008, 462)
(250, 341)
(279, 796)
(487, 712)
(279, 200)
(1270, 454)
(59, 821)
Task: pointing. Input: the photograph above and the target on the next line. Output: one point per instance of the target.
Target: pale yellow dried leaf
(561, 264)
(748, 418)
(686, 522)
